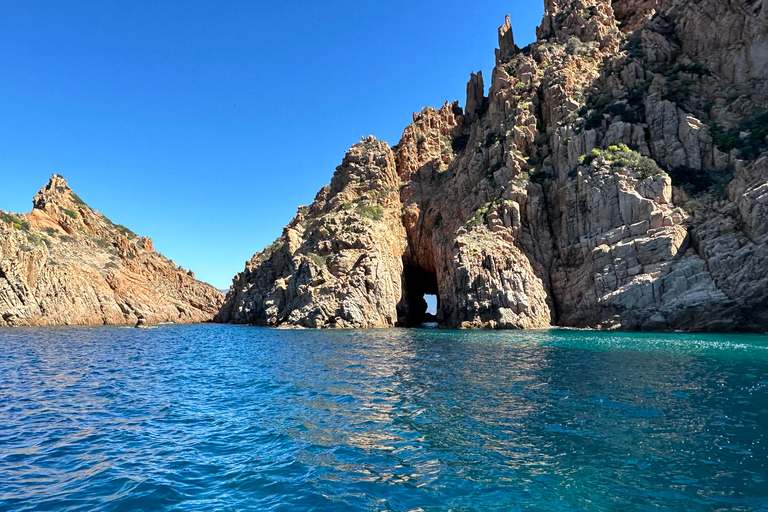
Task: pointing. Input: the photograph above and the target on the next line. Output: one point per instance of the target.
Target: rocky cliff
(66, 264)
(615, 176)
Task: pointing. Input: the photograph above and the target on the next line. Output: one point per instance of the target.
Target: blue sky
(205, 124)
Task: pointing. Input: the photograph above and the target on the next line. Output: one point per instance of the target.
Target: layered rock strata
(615, 176)
(67, 264)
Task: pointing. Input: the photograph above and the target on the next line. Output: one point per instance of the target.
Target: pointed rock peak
(57, 184)
(57, 190)
(57, 193)
(506, 39)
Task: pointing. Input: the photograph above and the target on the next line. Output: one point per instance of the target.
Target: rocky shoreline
(614, 177)
(67, 264)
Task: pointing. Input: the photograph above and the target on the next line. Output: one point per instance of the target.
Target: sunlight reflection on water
(235, 418)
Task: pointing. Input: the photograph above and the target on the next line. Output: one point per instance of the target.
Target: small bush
(478, 219)
(594, 120)
(522, 179)
(70, 213)
(126, 232)
(622, 156)
(52, 232)
(374, 212)
(691, 69)
(693, 181)
(752, 145)
(121, 229)
(541, 139)
(634, 46)
(35, 239)
(539, 176)
(66, 238)
(14, 221)
(317, 259)
(490, 172)
(438, 219)
(100, 242)
(270, 249)
(10, 218)
(636, 95)
(574, 46)
(622, 109)
(593, 111)
(491, 139)
(76, 199)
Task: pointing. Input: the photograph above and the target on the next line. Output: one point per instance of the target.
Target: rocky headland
(67, 264)
(614, 177)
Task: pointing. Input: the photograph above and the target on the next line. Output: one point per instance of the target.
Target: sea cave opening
(422, 299)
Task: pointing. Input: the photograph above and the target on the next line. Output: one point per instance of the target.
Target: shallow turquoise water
(205, 418)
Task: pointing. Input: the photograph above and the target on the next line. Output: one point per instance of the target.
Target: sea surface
(229, 418)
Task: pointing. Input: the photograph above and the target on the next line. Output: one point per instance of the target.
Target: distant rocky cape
(614, 177)
(66, 264)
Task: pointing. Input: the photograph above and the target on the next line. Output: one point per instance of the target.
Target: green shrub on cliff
(76, 199)
(317, 259)
(693, 181)
(621, 156)
(71, 213)
(102, 243)
(478, 219)
(269, 250)
(374, 212)
(35, 239)
(750, 137)
(13, 220)
(8, 217)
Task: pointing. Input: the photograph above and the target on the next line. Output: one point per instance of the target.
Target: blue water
(205, 418)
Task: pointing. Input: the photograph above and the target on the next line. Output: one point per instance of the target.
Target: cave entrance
(422, 299)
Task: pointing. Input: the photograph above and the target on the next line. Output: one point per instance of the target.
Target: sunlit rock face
(615, 176)
(339, 262)
(67, 264)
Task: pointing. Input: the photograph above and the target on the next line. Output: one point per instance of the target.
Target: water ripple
(210, 418)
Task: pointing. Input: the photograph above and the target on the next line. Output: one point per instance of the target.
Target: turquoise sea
(228, 418)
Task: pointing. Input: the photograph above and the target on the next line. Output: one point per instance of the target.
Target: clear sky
(206, 124)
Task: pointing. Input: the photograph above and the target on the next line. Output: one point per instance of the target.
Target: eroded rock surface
(615, 176)
(339, 261)
(66, 264)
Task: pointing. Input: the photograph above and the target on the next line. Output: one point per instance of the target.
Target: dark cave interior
(418, 283)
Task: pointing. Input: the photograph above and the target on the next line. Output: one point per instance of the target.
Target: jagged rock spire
(506, 41)
(475, 96)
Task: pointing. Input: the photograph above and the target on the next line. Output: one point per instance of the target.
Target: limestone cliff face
(66, 264)
(615, 176)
